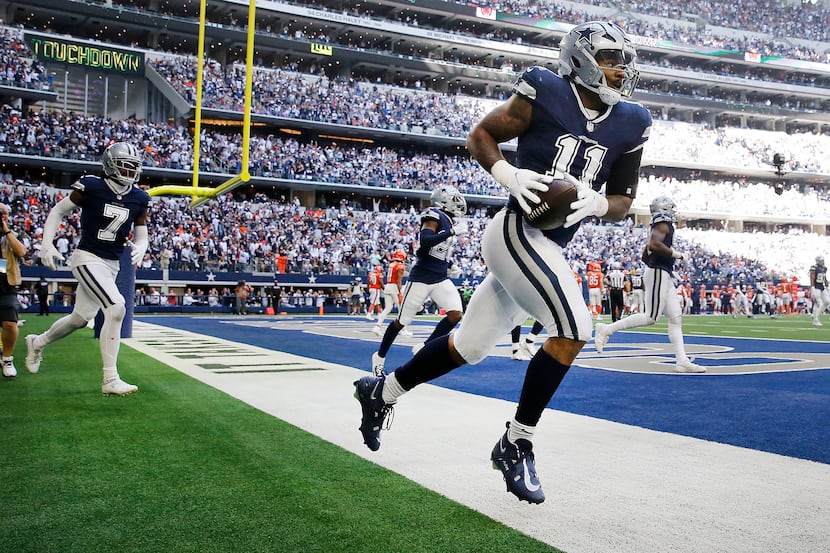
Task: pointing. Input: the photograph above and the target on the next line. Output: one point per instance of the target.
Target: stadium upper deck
(433, 45)
(738, 79)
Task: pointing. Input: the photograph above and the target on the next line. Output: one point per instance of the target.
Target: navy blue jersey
(431, 264)
(664, 262)
(563, 137)
(820, 276)
(637, 281)
(107, 217)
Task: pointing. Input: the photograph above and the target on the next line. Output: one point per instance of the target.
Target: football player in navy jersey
(577, 126)
(110, 207)
(440, 224)
(660, 286)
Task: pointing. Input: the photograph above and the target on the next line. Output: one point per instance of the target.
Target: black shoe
(369, 392)
(517, 465)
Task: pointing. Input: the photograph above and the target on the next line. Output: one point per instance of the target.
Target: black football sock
(543, 376)
(443, 327)
(389, 336)
(432, 361)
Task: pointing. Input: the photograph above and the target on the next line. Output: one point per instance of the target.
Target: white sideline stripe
(610, 487)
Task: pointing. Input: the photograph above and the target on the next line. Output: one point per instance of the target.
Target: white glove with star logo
(589, 202)
(520, 182)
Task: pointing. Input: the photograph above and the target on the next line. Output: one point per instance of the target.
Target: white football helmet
(588, 43)
(663, 209)
(820, 261)
(122, 166)
(447, 198)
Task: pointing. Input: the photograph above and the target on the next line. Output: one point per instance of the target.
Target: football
(554, 206)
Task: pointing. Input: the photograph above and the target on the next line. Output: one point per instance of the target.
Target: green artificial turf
(182, 467)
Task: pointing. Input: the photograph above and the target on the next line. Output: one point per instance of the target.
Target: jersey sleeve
(528, 82)
(85, 182)
(430, 214)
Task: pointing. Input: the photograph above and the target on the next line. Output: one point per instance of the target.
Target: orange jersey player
(375, 287)
(786, 288)
(595, 288)
(392, 292)
(716, 300)
(794, 292)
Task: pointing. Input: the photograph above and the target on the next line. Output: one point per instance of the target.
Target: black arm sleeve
(624, 175)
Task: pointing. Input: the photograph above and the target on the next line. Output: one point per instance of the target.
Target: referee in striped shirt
(616, 283)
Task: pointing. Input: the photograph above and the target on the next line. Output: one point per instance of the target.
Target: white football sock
(518, 430)
(392, 390)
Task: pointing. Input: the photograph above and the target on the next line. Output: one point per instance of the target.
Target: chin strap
(116, 186)
(607, 95)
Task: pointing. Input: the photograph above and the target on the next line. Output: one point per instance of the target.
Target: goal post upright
(200, 194)
(200, 69)
(244, 176)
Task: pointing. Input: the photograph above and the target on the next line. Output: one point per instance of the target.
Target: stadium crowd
(264, 235)
(17, 67)
(261, 234)
(755, 26)
(282, 92)
(288, 94)
(73, 136)
(801, 20)
(225, 85)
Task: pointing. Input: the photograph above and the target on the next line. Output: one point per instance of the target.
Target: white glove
(589, 202)
(139, 246)
(460, 227)
(137, 254)
(49, 256)
(454, 271)
(520, 182)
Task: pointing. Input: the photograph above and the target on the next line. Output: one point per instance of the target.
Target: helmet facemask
(450, 200)
(591, 47)
(122, 166)
(663, 208)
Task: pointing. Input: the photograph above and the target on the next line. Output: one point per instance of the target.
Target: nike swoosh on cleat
(531, 487)
(372, 396)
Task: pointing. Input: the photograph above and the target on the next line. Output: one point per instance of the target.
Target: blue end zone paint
(786, 413)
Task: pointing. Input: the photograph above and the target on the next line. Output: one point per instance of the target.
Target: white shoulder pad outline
(79, 185)
(431, 213)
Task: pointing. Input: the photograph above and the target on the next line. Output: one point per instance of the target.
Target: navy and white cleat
(517, 465)
(369, 392)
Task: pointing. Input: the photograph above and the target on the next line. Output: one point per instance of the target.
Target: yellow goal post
(201, 194)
